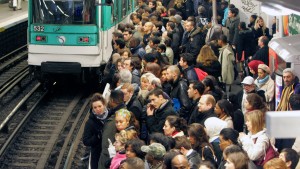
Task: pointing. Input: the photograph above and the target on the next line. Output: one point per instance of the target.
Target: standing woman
(253, 67)
(208, 62)
(256, 142)
(224, 111)
(260, 29)
(175, 126)
(200, 142)
(93, 128)
(266, 83)
(255, 102)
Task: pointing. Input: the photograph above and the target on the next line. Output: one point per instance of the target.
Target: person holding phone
(157, 111)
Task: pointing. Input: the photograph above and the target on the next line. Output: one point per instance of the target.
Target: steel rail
(13, 82)
(13, 112)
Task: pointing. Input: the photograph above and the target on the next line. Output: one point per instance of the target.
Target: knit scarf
(286, 93)
(263, 81)
(102, 116)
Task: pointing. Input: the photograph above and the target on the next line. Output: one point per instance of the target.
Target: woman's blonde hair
(206, 56)
(275, 163)
(125, 135)
(263, 27)
(257, 120)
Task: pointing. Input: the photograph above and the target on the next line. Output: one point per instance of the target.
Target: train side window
(124, 8)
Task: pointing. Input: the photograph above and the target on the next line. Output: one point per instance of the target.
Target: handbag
(270, 154)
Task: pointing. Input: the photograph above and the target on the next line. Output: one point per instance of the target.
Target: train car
(73, 36)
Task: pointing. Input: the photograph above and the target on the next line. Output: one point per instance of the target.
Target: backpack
(200, 73)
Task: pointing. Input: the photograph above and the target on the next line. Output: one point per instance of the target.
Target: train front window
(63, 11)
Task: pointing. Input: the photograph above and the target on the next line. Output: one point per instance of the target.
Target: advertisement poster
(294, 24)
(278, 89)
(285, 22)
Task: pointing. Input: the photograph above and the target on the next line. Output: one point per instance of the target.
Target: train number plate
(38, 28)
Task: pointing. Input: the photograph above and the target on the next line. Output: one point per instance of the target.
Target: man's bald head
(206, 103)
(173, 73)
(179, 162)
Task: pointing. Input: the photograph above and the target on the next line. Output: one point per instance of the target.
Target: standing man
(196, 90)
(186, 62)
(127, 33)
(147, 32)
(263, 53)
(179, 91)
(248, 87)
(206, 108)
(232, 23)
(158, 110)
(291, 83)
(195, 39)
(226, 59)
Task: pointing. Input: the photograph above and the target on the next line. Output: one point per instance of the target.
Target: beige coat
(226, 59)
(269, 88)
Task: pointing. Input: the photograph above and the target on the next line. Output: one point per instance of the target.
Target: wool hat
(265, 68)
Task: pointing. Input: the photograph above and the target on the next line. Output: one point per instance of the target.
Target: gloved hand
(111, 149)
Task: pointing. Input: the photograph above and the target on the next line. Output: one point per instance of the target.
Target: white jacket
(257, 150)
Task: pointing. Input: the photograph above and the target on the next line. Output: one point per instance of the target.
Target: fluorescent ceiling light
(277, 10)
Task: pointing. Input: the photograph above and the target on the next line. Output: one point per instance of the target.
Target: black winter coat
(232, 25)
(262, 54)
(259, 32)
(92, 137)
(179, 92)
(155, 123)
(190, 74)
(195, 42)
(176, 39)
(193, 113)
(245, 43)
(136, 107)
(213, 69)
(202, 116)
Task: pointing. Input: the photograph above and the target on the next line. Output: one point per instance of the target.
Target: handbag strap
(210, 150)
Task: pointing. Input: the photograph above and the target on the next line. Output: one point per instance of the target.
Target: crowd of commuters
(170, 74)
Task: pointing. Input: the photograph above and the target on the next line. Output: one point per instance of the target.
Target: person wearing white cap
(266, 83)
(248, 87)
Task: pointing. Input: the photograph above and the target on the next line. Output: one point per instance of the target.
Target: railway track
(49, 133)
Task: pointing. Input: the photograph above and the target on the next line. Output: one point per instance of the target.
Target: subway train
(73, 36)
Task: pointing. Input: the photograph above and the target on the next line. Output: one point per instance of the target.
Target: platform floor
(9, 17)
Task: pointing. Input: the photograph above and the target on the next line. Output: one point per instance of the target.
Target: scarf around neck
(263, 81)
